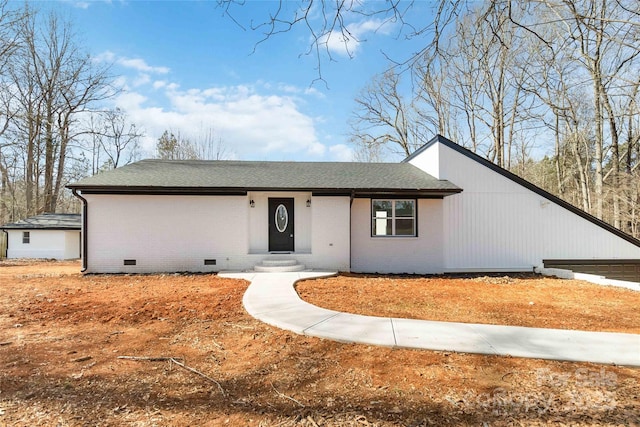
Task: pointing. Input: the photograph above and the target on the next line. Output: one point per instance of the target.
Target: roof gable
(438, 139)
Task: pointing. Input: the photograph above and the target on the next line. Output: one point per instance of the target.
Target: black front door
(281, 225)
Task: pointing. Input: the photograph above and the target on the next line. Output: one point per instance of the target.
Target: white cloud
(251, 125)
(81, 4)
(106, 56)
(346, 43)
(131, 101)
(341, 153)
(255, 121)
(371, 26)
(136, 64)
(313, 91)
(139, 64)
(296, 90)
(141, 79)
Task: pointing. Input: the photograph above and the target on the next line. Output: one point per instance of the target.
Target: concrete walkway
(271, 298)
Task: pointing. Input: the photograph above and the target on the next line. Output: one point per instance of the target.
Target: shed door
(281, 238)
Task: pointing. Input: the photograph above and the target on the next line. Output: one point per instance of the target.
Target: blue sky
(187, 68)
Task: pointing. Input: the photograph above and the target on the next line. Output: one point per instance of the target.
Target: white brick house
(443, 209)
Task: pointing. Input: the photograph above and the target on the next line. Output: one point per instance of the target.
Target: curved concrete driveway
(272, 298)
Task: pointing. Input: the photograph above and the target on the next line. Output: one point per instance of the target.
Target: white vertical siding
(422, 254)
(497, 224)
(42, 244)
(429, 161)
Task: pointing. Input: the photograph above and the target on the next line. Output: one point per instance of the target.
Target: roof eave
(237, 191)
(114, 189)
(40, 227)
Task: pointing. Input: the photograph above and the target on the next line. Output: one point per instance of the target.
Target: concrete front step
(278, 262)
(279, 266)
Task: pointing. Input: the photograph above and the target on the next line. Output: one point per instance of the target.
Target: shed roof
(47, 221)
(221, 176)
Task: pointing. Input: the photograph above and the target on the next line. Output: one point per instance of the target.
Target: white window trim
(394, 218)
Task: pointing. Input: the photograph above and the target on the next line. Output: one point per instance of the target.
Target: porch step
(279, 262)
(279, 266)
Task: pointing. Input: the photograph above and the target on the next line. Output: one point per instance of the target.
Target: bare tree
(57, 84)
(433, 88)
(385, 120)
(327, 21)
(485, 62)
(9, 46)
(477, 75)
(113, 136)
(206, 146)
(501, 77)
(173, 146)
(602, 37)
(209, 145)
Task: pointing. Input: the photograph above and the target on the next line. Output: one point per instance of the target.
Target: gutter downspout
(84, 229)
(351, 197)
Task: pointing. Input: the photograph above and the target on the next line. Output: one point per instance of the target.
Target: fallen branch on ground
(176, 361)
(235, 325)
(285, 396)
(182, 365)
(150, 359)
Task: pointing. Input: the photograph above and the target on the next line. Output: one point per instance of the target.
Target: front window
(393, 217)
(26, 237)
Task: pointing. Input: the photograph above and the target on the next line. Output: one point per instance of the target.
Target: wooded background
(545, 89)
(54, 127)
(548, 89)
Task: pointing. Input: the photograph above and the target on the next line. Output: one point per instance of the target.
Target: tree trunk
(599, 144)
(558, 164)
(582, 175)
(49, 162)
(31, 169)
(64, 141)
(615, 162)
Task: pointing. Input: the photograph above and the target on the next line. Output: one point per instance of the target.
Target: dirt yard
(62, 336)
(524, 300)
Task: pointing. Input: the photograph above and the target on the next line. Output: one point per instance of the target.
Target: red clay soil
(527, 300)
(62, 335)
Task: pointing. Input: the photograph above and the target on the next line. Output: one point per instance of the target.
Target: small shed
(49, 236)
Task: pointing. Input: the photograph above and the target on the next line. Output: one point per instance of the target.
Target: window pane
(405, 208)
(404, 227)
(381, 227)
(382, 206)
(282, 218)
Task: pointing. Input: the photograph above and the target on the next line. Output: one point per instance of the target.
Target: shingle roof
(158, 175)
(55, 221)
